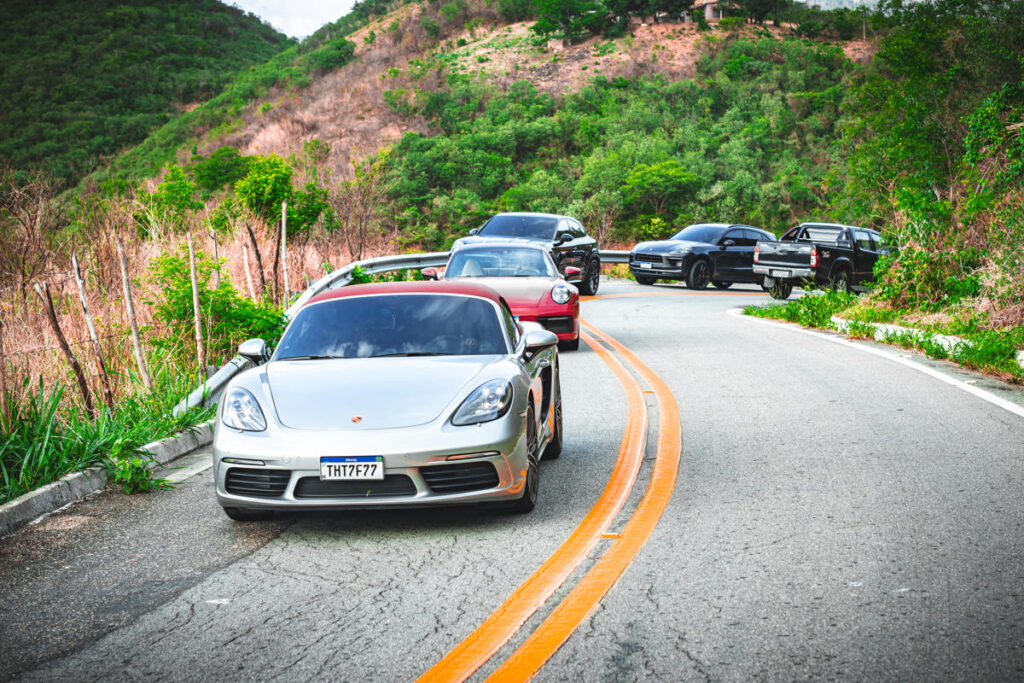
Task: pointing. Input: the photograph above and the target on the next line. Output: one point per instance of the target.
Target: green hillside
(81, 80)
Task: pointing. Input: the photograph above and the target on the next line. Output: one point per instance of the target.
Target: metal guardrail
(212, 388)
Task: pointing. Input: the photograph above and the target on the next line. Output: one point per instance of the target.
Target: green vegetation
(83, 80)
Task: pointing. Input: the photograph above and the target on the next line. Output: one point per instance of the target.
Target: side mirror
(538, 340)
(474, 231)
(564, 237)
(572, 273)
(254, 350)
(728, 243)
(429, 273)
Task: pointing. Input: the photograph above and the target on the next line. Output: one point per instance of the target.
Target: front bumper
(489, 465)
(661, 266)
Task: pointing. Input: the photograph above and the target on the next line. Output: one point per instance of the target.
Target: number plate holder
(781, 273)
(351, 467)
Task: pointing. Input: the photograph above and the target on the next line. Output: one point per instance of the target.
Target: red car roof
(419, 287)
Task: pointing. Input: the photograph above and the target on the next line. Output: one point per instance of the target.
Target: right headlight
(242, 411)
(489, 401)
(560, 294)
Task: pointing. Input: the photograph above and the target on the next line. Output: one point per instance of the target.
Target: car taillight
(814, 257)
(757, 252)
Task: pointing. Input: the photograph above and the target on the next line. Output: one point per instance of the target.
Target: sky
(296, 18)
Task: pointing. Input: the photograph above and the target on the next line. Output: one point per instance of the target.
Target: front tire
(592, 279)
(532, 483)
(700, 275)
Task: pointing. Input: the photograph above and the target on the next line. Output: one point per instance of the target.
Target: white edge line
(1008, 406)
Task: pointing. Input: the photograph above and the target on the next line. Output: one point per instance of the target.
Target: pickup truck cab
(828, 254)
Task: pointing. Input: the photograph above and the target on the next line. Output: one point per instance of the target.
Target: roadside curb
(77, 485)
(884, 330)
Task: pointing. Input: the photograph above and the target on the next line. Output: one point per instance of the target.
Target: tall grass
(43, 438)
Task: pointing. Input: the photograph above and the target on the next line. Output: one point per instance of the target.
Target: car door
(864, 257)
(562, 247)
(728, 257)
(745, 255)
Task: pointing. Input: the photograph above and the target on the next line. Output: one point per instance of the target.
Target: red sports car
(527, 279)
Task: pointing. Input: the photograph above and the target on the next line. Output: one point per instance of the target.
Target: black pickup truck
(829, 254)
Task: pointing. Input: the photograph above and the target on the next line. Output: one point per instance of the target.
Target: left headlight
(560, 294)
(489, 401)
(242, 411)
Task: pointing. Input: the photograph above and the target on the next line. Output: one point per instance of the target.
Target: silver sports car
(386, 395)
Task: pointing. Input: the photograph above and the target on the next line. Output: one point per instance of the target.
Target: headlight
(489, 401)
(560, 294)
(242, 411)
(680, 251)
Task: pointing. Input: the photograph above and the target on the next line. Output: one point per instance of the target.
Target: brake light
(814, 257)
(757, 252)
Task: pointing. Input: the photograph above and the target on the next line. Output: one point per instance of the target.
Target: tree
(357, 201)
(175, 197)
(267, 184)
(759, 10)
(575, 20)
(657, 185)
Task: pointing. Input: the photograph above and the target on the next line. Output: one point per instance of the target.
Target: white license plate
(780, 273)
(644, 264)
(347, 467)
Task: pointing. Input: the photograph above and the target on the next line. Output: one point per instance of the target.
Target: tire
(592, 278)
(700, 275)
(645, 280)
(247, 515)
(570, 345)
(554, 448)
(532, 484)
(780, 290)
(719, 284)
(840, 279)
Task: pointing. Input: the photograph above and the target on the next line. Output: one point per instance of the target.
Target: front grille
(392, 485)
(250, 481)
(649, 258)
(466, 476)
(558, 324)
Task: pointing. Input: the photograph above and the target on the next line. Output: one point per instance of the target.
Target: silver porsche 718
(387, 395)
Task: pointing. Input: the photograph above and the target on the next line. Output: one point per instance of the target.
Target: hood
(519, 292)
(385, 393)
(477, 239)
(665, 246)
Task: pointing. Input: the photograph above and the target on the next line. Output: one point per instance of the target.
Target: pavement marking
(630, 295)
(502, 624)
(524, 663)
(181, 473)
(968, 386)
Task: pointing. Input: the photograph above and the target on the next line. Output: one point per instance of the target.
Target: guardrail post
(284, 250)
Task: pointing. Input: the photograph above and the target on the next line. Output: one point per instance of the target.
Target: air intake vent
(391, 486)
(262, 483)
(557, 324)
(468, 476)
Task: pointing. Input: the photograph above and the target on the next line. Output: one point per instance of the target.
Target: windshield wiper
(309, 357)
(413, 353)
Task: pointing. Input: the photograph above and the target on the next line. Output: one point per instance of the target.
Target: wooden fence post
(284, 249)
(4, 415)
(259, 260)
(44, 293)
(126, 286)
(195, 306)
(97, 350)
(248, 276)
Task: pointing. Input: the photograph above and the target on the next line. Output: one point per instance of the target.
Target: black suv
(563, 236)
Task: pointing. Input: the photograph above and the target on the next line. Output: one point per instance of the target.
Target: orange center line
(524, 663)
(495, 631)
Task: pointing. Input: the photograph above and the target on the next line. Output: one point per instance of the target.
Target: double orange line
(501, 625)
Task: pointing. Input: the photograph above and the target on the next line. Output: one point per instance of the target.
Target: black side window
(863, 239)
(736, 236)
(577, 230)
(751, 237)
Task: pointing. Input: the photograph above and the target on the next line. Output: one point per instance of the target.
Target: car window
(699, 233)
(511, 326)
(536, 227)
(881, 244)
(577, 230)
(760, 236)
(820, 233)
(394, 325)
(736, 235)
(863, 239)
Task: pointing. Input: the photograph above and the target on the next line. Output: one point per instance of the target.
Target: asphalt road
(836, 515)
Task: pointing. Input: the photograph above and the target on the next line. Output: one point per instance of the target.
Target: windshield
(533, 227)
(699, 233)
(504, 262)
(394, 325)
